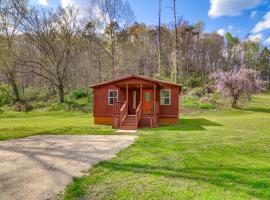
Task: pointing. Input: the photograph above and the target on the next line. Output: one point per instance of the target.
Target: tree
(231, 49)
(159, 38)
(111, 18)
(264, 64)
(10, 24)
(238, 83)
(176, 44)
(55, 38)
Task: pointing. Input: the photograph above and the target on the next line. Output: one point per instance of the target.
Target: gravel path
(39, 167)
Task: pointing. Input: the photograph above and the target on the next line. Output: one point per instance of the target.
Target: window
(165, 97)
(112, 94)
(147, 96)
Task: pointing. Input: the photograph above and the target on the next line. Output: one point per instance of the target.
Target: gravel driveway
(39, 167)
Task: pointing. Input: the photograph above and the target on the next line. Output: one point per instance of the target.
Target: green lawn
(215, 155)
(16, 124)
(219, 154)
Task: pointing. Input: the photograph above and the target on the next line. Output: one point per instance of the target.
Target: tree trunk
(15, 92)
(61, 93)
(159, 40)
(234, 102)
(176, 47)
(113, 60)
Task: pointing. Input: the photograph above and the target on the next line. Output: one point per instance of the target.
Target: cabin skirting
(103, 121)
(145, 121)
(167, 120)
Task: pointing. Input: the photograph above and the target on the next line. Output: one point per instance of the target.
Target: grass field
(16, 125)
(214, 155)
(220, 154)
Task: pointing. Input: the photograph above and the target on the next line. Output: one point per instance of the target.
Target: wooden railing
(138, 114)
(117, 106)
(123, 113)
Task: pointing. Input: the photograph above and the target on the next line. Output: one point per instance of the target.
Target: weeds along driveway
(39, 167)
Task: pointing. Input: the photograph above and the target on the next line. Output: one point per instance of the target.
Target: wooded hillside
(70, 48)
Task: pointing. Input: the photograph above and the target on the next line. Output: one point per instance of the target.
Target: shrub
(4, 96)
(58, 107)
(206, 106)
(198, 92)
(193, 81)
(22, 107)
(36, 94)
(78, 94)
(199, 103)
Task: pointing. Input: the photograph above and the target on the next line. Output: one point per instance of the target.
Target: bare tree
(176, 44)
(111, 17)
(10, 22)
(55, 38)
(159, 38)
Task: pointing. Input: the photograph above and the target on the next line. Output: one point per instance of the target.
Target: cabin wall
(101, 106)
(170, 111)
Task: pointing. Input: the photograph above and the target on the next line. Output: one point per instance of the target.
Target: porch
(135, 106)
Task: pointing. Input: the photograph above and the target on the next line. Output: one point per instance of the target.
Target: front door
(148, 101)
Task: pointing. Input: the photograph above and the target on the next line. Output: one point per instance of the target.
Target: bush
(198, 92)
(199, 103)
(206, 106)
(39, 104)
(36, 94)
(193, 81)
(58, 107)
(22, 107)
(78, 94)
(4, 96)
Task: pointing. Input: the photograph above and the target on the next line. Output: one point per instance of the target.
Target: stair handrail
(123, 113)
(138, 113)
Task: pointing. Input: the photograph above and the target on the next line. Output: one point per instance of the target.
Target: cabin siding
(170, 110)
(101, 106)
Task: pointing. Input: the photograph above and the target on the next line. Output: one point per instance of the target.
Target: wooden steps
(129, 123)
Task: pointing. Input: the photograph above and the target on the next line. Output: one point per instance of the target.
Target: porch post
(141, 93)
(154, 99)
(127, 92)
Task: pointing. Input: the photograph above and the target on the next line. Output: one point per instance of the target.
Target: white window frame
(161, 98)
(109, 97)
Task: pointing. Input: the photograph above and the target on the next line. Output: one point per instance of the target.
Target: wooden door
(148, 101)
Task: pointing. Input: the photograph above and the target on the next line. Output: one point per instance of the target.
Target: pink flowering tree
(235, 84)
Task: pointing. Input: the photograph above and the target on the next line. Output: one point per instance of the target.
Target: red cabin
(136, 101)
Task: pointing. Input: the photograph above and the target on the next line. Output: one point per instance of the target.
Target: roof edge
(134, 76)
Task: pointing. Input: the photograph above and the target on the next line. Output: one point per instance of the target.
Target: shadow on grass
(23, 131)
(184, 124)
(28, 115)
(258, 109)
(248, 180)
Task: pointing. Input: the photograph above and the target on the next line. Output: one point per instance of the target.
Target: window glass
(111, 94)
(165, 97)
(165, 93)
(147, 96)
